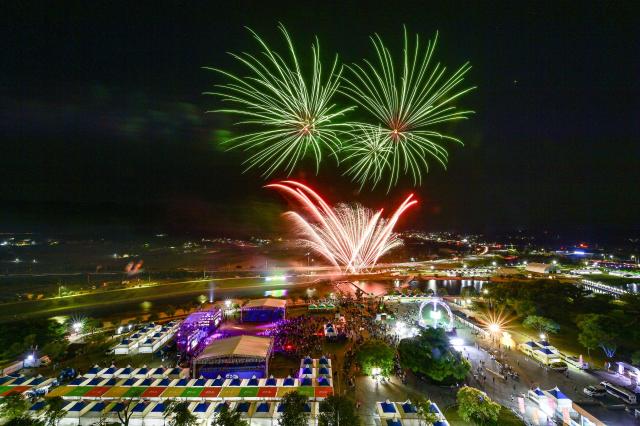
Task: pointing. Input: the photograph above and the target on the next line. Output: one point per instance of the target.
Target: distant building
(542, 268)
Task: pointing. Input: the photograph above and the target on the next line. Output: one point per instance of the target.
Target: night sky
(102, 121)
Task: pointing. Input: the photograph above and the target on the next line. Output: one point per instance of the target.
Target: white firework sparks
(352, 238)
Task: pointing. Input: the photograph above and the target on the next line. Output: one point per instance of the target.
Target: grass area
(611, 279)
(506, 418)
(566, 340)
(56, 306)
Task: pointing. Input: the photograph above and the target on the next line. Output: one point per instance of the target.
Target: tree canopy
(13, 406)
(375, 354)
(541, 324)
(55, 410)
(476, 407)
(294, 412)
(431, 354)
(226, 417)
(179, 414)
(336, 410)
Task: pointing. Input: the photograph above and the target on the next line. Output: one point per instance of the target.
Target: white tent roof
(265, 303)
(250, 346)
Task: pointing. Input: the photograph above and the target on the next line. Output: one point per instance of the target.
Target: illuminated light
(351, 238)
(494, 328)
(435, 315)
(494, 263)
(376, 371)
(227, 303)
(543, 336)
(456, 341)
(119, 330)
(276, 293)
(276, 278)
(290, 113)
(410, 99)
(579, 252)
(77, 326)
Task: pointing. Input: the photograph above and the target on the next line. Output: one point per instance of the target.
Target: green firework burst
(289, 115)
(409, 104)
(369, 154)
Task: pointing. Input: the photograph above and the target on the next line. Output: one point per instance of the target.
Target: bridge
(598, 287)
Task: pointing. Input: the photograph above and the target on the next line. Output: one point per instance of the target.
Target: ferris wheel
(435, 317)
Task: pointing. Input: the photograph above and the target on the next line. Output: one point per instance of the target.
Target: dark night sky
(102, 123)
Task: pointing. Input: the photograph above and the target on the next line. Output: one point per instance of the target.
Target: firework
(369, 156)
(352, 238)
(290, 115)
(409, 103)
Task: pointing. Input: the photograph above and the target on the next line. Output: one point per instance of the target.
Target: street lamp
(494, 328)
(77, 326)
(543, 336)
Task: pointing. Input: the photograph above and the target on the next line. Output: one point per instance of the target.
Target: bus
(619, 392)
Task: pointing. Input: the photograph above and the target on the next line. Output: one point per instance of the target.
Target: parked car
(559, 366)
(594, 390)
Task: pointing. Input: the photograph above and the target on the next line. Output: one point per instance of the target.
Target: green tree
(24, 421)
(29, 341)
(170, 310)
(126, 411)
(55, 411)
(226, 417)
(426, 416)
(55, 349)
(476, 407)
(179, 414)
(635, 358)
(13, 406)
(541, 324)
(336, 410)
(375, 354)
(294, 413)
(598, 330)
(431, 354)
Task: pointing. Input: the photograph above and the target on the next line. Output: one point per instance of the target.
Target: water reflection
(452, 287)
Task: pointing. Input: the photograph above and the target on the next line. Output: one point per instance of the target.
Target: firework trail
(409, 102)
(352, 238)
